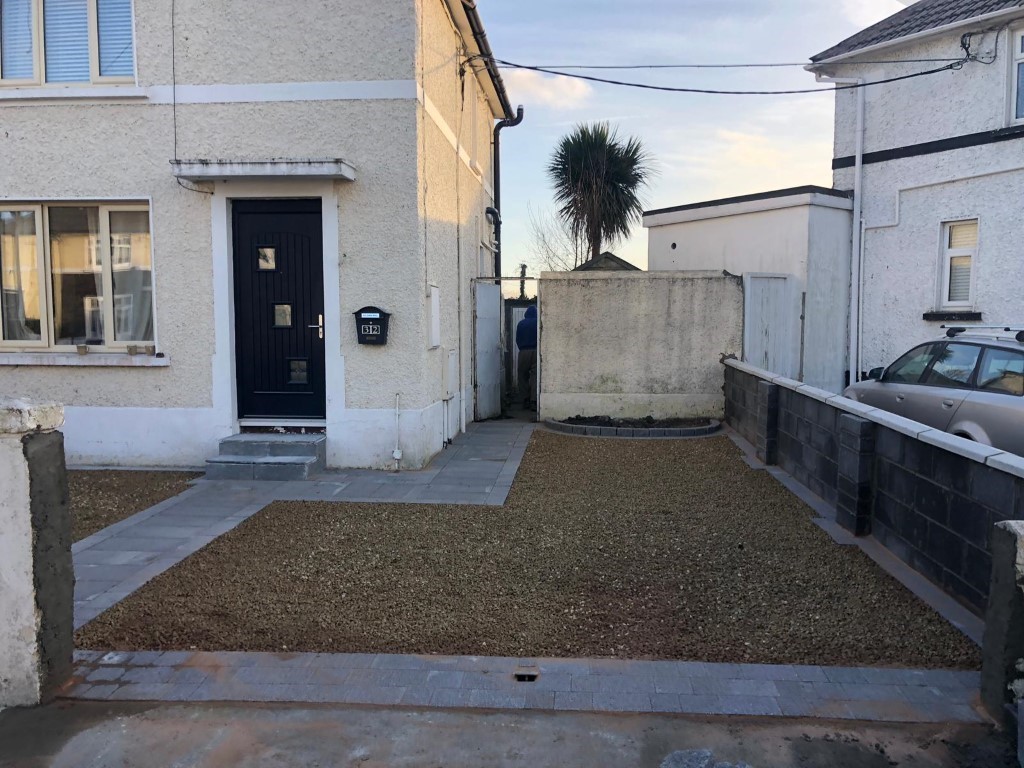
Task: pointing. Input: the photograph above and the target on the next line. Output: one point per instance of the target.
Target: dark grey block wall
(932, 508)
(741, 402)
(809, 443)
(935, 510)
(53, 570)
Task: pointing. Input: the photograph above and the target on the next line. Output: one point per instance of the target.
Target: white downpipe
(856, 250)
(397, 455)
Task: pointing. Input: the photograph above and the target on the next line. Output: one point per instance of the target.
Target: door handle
(948, 403)
(319, 326)
(900, 398)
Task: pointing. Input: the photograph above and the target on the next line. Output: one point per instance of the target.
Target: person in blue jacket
(526, 340)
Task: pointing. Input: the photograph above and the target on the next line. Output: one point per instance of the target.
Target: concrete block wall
(931, 498)
(808, 444)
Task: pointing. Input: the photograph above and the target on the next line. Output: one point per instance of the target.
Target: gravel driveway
(633, 549)
(103, 497)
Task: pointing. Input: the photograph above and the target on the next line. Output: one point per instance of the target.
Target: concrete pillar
(767, 443)
(1002, 650)
(856, 463)
(36, 572)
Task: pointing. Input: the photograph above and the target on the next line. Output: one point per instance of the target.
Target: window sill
(84, 92)
(953, 316)
(91, 360)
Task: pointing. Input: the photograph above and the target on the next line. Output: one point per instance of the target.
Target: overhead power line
(761, 65)
(954, 65)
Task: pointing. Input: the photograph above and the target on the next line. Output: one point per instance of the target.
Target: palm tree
(598, 178)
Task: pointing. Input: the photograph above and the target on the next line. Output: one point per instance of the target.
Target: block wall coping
(982, 454)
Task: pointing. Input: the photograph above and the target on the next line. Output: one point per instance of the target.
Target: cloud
(864, 13)
(536, 89)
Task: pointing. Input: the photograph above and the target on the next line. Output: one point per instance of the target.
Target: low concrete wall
(635, 344)
(931, 498)
(36, 572)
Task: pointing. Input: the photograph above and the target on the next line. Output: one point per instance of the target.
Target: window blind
(115, 33)
(66, 38)
(16, 55)
(963, 235)
(1020, 90)
(959, 279)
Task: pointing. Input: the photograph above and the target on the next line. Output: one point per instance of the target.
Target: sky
(703, 147)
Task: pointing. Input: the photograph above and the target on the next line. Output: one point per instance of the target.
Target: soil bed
(103, 497)
(625, 548)
(647, 422)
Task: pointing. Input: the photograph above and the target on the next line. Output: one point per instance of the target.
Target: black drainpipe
(495, 213)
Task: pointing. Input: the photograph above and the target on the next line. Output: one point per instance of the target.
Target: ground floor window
(960, 246)
(75, 275)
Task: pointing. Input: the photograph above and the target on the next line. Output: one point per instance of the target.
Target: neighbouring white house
(792, 248)
(197, 198)
(937, 170)
(925, 224)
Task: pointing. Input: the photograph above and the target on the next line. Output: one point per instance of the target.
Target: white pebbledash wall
(636, 344)
(806, 235)
(375, 84)
(906, 201)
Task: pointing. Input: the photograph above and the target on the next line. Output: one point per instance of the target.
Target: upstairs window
(66, 41)
(960, 247)
(1018, 76)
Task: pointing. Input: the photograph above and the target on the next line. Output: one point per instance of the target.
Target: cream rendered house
(196, 197)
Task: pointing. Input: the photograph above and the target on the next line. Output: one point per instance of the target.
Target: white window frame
(1016, 81)
(947, 254)
(38, 80)
(47, 341)
(44, 277)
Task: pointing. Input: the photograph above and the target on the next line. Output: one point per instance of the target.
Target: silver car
(970, 384)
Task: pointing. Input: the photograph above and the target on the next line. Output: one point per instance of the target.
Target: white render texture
(413, 217)
(636, 344)
(906, 201)
(806, 236)
(20, 672)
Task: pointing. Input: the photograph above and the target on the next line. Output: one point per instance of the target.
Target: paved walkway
(478, 468)
(881, 695)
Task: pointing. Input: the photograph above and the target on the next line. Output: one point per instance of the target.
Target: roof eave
(916, 36)
(467, 18)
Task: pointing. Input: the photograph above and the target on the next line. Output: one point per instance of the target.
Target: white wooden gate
(772, 325)
(487, 350)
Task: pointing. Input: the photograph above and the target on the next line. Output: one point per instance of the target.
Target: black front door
(279, 306)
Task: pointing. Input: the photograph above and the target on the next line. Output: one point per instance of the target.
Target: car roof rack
(997, 331)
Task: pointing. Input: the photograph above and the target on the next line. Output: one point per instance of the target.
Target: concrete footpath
(130, 735)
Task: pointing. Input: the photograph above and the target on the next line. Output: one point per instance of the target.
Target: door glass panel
(908, 369)
(76, 262)
(1002, 370)
(298, 372)
(266, 259)
(954, 366)
(131, 260)
(19, 276)
(282, 315)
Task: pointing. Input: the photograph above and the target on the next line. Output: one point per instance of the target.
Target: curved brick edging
(633, 432)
